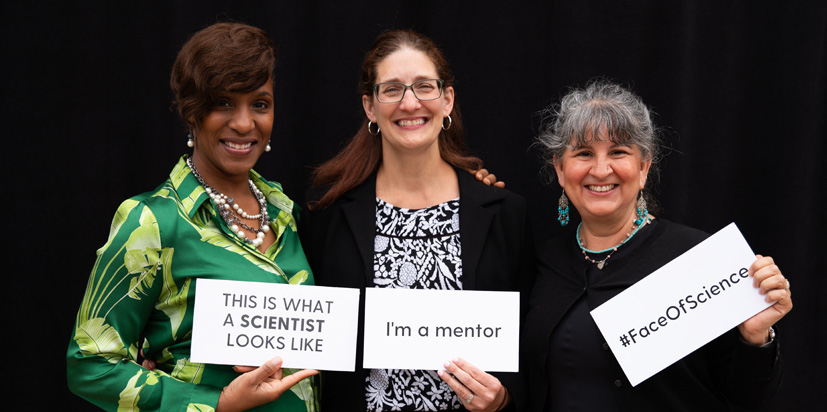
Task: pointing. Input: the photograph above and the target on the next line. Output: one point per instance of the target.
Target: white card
(421, 329)
(681, 306)
(247, 323)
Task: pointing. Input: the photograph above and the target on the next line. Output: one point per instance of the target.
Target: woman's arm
(122, 292)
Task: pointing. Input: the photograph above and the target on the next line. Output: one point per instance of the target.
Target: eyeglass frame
(405, 87)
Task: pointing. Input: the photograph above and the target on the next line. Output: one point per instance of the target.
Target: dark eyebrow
(416, 79)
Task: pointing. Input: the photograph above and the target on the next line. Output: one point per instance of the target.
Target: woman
(214, 217)
(399, 189)
(602, 146)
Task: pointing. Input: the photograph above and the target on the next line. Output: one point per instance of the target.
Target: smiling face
(602, 179)
(411, 124)
(233, 135)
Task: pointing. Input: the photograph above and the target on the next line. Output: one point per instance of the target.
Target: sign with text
(248, 323)
(681, 306)
(421, 329)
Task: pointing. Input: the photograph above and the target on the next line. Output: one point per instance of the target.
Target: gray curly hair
(601, 105)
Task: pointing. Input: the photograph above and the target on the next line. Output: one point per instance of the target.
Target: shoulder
(669, 241)
(315, 193)
(558, 249)
(162, 197)
(472, 190)
(363, 192)
(677, 233)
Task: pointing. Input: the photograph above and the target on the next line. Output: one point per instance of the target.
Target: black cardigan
(722, 374)
(497, 254)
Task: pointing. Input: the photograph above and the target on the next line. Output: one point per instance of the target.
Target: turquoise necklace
(602, 263)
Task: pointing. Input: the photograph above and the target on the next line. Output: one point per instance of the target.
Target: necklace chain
(232, 213)
(602, 263)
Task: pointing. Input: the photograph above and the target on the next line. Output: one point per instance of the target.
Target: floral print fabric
(141, 292)
(416, 249)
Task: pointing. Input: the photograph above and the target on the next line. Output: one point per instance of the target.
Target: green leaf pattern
(199, 407)
(135, 268)
(172, 301)
(304, 390)
(129, 397)
(95, 337)
(299, 278)
(188, 371)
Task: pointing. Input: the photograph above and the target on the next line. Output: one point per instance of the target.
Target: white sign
(422, 329)
(247, 323)
(681, 306)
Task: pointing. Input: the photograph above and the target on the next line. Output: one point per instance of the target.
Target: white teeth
(604, 188)
(238, 146)
(416, 122)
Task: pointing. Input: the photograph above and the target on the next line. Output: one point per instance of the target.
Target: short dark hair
(224, 57)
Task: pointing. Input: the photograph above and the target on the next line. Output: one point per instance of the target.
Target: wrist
(506, 399)
(759, 339)
(223, 403)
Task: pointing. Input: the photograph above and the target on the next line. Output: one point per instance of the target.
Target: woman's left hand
(478, 390)
(768, 278)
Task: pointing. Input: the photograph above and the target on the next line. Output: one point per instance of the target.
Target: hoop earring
(642, 211)
(563, 209)
(450, 122)
(377, 128)
(190, 142)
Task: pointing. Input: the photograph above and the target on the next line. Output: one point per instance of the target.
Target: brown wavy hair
(361, 157)
(223, 57)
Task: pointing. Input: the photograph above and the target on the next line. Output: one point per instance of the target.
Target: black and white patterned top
(414, 249)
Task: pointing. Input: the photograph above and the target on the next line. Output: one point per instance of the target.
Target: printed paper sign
(421, 329)
(248, 323)
(681, 306)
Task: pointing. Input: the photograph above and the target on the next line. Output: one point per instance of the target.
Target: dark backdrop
(738, 88)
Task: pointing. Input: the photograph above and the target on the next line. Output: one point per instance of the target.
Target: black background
(738, 88)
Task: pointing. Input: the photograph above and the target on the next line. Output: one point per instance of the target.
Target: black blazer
(497, 254)
(721, 376)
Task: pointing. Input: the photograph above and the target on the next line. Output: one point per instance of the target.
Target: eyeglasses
(393, 92)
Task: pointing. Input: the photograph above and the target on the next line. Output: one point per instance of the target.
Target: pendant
(601, 264)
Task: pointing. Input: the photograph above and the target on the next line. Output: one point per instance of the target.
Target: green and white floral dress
(143, 287)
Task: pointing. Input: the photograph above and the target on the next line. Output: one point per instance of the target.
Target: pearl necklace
(602, 263)
(232, 213)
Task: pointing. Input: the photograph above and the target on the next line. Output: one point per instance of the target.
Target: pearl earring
(267, 148)
(190, 142)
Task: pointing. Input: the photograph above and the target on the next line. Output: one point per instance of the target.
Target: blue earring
(563, 209)
(642, 212)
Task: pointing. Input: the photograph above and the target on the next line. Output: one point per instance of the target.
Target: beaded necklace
(602, 263)
(232, 213)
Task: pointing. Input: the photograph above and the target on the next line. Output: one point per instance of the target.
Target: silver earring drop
(450, 122)
(377, 128)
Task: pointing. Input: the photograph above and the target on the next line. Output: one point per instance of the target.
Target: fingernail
(439, 372)
(447, 364)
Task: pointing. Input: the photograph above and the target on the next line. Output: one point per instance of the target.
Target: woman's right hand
(259, 386)
(488, 178)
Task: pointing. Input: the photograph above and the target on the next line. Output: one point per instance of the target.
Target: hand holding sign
(259, 386)
(690, 301)
(473, 323)
(478, 390)
(768, 278)
(246, 323)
